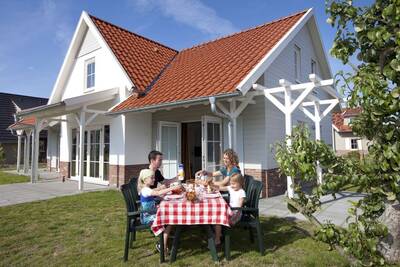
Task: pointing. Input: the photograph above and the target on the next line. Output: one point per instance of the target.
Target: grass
(8, 178)
(88, 229)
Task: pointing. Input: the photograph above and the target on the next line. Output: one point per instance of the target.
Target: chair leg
(211, 243)
(133, 238)
(260, 238)
(162, 256)
(175, 243)
(251, 235)
(227, 246)
(127, 239)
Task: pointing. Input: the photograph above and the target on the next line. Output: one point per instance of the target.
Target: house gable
(85, 41)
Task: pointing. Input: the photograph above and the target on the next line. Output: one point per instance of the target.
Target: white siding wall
(108, 73)
(138, 134)
(255, 148)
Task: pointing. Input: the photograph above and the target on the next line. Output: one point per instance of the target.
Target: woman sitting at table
(236, 200)
(231, 166)
(148, 203)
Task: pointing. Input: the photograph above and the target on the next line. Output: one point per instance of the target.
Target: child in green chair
(236, 200)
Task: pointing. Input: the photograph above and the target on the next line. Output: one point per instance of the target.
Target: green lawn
(8, 178)
(88, 229)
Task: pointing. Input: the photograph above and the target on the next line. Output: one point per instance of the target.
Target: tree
(371, 36)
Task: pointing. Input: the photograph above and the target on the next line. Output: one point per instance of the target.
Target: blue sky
(35, 34)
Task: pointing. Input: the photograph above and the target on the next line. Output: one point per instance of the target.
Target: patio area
(11, 194)
(334, 210)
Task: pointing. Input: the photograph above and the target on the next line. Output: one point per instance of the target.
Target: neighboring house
(344, 140)
(121, 95)
(9, 105)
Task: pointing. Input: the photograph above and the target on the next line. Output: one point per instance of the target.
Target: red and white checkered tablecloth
(208, 211)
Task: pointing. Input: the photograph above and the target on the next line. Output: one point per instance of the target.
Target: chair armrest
(136, 213)
(245, 209)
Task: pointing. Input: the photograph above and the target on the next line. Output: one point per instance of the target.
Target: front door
(169, 145)
(211, 143)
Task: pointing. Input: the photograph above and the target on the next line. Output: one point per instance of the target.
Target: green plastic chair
(133, 223)
(250, 218)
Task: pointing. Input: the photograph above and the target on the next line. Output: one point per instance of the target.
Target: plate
(215, 195)
(173, 197)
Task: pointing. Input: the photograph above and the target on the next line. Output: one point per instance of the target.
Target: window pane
(73, 168)
(217, 153)
(210, 152)
(92, 169)
(85, 168)
(107, 134)
(216, 132)
(210, 132)
(106, 152)
(105, 170)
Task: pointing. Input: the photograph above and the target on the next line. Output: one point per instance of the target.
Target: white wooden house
(119, 95)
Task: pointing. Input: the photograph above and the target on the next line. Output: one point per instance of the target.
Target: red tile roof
(142, 58)
(27, 121)
(338, 118)
(211, 68)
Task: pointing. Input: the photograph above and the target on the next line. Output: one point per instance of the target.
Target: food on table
(191, 196)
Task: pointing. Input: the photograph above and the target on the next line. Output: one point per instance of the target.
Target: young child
(148, 203)
(236, 200)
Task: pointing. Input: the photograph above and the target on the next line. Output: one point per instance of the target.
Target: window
(297, 62)
(313, 66)
(106, 152)
(354, 144)
(90, 73)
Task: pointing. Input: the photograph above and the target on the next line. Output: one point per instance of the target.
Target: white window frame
(87, 62)
(204, 138)
(297, 63)
(179, 140)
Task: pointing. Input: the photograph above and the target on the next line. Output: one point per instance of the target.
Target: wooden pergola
(299, 96)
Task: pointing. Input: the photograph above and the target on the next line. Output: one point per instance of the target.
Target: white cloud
(193, 13)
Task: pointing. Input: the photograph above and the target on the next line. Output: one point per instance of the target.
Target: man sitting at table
(155, 161)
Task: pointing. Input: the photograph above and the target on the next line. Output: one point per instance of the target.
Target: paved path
(332, 210)
(11, 194)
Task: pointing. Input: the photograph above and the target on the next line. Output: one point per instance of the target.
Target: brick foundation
(273, 183)
(65, 169)
(121, 174)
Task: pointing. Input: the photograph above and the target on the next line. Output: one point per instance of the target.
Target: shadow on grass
(277, 233)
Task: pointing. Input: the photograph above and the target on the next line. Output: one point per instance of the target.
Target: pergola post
(19, 151)
(317, 116)
(35, 151)
(27, 150)
(82, 123)
(288, 129)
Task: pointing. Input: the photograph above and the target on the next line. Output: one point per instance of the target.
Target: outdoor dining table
(206, 211)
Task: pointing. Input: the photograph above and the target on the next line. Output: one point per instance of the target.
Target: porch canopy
(299, 96)
(49, 115)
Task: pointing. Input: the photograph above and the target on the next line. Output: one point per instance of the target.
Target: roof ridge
(128, 31)
(245, 30)
(44, 98)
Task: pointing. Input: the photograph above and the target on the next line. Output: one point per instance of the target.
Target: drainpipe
(219, 114)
